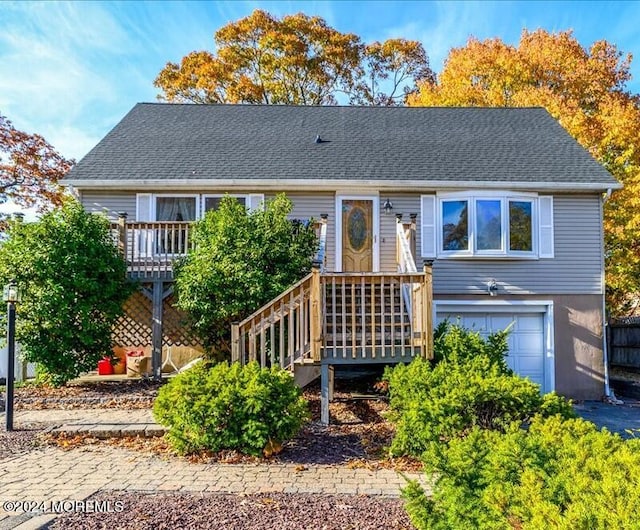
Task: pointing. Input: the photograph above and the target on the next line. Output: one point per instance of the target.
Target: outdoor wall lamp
(387, 206)
(12, 296)
(492, 287)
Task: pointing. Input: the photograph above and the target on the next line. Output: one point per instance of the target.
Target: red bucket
(105, 367)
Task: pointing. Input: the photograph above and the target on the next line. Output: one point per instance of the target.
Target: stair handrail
(275, 300)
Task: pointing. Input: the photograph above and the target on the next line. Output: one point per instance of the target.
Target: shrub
(469, 386)
(241, 261)
(230, 407)
(562, 474)
(74, 285)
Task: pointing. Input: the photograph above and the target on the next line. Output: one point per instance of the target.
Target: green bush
(469, 386)
(74, 286)
(230, 407)
(241, 261)
(560, 474)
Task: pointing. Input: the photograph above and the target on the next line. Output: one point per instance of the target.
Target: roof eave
(329, 184)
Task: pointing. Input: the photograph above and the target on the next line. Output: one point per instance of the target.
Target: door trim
(545, 307)
(376, 227)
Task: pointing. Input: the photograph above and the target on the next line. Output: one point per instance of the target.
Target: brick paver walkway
(70, 416)
(53, 474)
(101, 423)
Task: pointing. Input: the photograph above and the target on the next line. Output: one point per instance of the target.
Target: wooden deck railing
(279, 333)
(150, 248)
(405, 249)
(366, 318)
(341, 318)
(421, 313)
(406, 244)
(321, 256)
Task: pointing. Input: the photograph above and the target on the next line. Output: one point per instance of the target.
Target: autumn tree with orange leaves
(296, 60)
(585, 90)
(29, 169)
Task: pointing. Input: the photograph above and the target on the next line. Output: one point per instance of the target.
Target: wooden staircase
(342, 318)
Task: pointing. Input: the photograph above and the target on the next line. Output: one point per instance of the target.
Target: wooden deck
(340, 318)
(325, 319)
(151, 249)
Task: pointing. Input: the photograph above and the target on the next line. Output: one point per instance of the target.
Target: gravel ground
(19, 441)
(276, 511)
(136, 394)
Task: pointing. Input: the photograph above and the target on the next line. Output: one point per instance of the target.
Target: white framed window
(174, 207)
(212, 202)
(487, 224)
(251, 201)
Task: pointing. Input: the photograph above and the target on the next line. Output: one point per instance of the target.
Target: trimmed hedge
(469, 386)
(558, 474)
(246, 408)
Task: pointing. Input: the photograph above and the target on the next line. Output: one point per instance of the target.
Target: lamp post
(11, 295)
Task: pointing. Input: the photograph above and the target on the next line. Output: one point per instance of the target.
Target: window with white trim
(251, 201)
(483, 224)
(175, 209)
(187, 207)
(169, 237)
(212, 202)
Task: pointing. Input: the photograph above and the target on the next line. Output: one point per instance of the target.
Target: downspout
(605, 353)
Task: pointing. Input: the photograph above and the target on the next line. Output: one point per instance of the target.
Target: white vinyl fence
(19, 365)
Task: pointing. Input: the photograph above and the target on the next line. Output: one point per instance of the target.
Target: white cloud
(52, 56)
(443, 25)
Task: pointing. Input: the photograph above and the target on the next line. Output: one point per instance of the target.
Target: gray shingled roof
(168, 141)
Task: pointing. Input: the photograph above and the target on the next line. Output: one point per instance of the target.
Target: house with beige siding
(488, 216)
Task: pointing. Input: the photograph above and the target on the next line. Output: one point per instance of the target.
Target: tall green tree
(296, 60)
(241, 261)
(586, 91)
(74, 285)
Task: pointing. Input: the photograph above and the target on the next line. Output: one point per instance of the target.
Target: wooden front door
(357, 235)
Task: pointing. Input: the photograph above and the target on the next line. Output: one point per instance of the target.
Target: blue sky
(71, 70)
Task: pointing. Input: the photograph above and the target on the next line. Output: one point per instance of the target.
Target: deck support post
(427, 308)
(332, 379)
(326, 392)
(122, 234)
(412, 234)
(156, 330)
(316, 312)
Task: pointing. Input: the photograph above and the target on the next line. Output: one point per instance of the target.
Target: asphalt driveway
(616, 418)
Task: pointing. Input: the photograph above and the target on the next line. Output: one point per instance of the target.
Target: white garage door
(526, 338)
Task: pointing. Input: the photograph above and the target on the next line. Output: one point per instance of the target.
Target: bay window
(487, 224)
